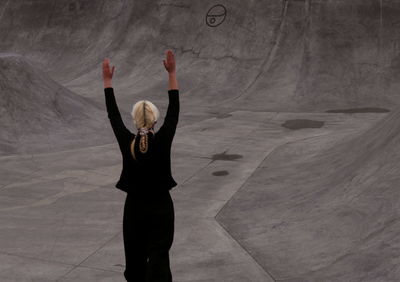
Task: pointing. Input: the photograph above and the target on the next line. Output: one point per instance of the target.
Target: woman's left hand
(107, 73)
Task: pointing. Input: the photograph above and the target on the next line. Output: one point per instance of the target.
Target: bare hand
(107, 74)
(169, 64)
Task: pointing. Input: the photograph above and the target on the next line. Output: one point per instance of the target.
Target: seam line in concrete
(80, 264)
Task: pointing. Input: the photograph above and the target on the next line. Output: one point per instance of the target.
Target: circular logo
(216, 15)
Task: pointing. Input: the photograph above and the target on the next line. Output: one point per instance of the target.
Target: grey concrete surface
(286, 152)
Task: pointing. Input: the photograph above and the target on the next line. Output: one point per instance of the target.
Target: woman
(148, 222)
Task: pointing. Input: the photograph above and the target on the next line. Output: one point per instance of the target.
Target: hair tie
(143, 131)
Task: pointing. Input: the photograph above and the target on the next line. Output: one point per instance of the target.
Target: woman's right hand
(107, 73)
(169, 63)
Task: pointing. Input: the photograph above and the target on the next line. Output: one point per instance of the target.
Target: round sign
(216, 15)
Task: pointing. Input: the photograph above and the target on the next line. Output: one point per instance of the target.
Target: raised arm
(121, 132)
(172, 115)
(170, 66)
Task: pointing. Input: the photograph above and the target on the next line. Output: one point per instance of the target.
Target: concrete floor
(286, 153)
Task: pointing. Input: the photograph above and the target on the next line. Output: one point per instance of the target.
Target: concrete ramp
(40, 115)
(327, 55)
(328, 214)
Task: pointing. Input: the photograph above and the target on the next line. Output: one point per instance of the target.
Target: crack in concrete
(197, 54)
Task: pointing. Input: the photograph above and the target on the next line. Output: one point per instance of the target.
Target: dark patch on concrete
(72, 6)
(220, 173)
(223, 116)
(280, 224)
(359, 110)
(226, 157)
(295, 124)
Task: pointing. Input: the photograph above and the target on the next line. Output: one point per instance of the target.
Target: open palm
(107, 73)
(169, 63)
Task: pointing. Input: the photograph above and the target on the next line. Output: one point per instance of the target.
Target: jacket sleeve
(171, 118)
(120, 131)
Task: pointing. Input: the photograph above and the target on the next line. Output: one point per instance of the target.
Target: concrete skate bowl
(66, 41)
(69, 39)
(265, 55)
(268, 55)
(330, 214)
(325, 215)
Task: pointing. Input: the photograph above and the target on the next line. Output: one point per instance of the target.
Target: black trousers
(148, 229)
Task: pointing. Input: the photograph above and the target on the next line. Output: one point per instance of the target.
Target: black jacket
(156, 175)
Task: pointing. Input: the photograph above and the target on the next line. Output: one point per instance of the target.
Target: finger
(112, 71)
(165, 64)
(105, 63)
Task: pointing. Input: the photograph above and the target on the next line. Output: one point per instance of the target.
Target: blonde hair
(144, 115)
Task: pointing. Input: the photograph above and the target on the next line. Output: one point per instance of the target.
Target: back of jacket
(155, 174)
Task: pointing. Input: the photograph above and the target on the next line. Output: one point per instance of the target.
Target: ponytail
(143, 145)
(143, 131)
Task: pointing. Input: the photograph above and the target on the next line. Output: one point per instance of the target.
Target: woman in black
(148, 222)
